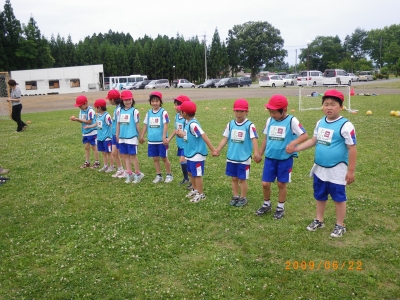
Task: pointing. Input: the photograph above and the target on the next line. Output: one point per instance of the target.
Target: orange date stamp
(348, 265)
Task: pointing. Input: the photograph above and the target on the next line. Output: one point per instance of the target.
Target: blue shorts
(91, 139)
(114, 141)
(127, 149)
(240, 171)
(196, 168)
(324, 188)
(104, 146)
(180, 152)
(277, 169)
(155, 150)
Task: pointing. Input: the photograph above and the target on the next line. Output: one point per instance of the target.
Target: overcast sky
(298, 21)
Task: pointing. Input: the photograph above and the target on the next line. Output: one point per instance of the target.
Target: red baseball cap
(182, 98)
(157, 94)
(241, 104)
(126, 95)
(113, 94)
(100, 102)
(80, 100)
(333, 93)
(188, 107)
(277, 102)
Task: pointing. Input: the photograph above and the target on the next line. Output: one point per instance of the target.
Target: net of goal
(310, 97)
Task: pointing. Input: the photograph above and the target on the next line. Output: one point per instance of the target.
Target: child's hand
(257, 158)
(290, 148)
(141, 140)
(215, 153)
(180, 133)
(86, 127)
(349, 178)
(166, 141)
(73, 118)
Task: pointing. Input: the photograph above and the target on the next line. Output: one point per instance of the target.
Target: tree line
(252, 46)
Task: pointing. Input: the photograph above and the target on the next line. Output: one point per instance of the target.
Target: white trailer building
(60, 80)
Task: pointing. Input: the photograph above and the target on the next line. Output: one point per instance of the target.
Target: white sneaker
(103, 169)
(168, 178)
(158, 179)
(129, 178)
(122, 175)
(110, 169)
(198, 198)
(118, 173)
(192, 193)
(137, 178)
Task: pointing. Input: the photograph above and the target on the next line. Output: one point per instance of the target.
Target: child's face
(84, 106)
(128, 103)
(155, 103)
(331, 109)
(240, 115)
(176, 103)
(276, 115)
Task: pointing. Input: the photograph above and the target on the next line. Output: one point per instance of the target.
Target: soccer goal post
(310, 97)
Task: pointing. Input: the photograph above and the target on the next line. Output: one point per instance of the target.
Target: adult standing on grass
(15, 99)
(335, 161)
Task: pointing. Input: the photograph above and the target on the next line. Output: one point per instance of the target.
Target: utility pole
(205, 54)
(295, 63)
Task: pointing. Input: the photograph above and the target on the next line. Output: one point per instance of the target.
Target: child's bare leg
(105, 160)
(87, 152)
(340, 212)
(235, 186)
(321, 205)
(243, 188)
(96, 153)
(128, 163)
(192, 181)
(135, 162)
(167, 164)
(115, 156)
(266, 190)
(199, 184)
(156, 160)
(282, 186)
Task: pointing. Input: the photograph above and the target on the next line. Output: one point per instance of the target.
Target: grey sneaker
(279, 213)
(242, 202)
(168, 178)
(158, 179)
(338, 231)
(315, 225)
(198, 198)
(263, 209)
(129, 178)
(110, 169)
(137, 178)
(234, 200)
(103, 169)
(189, 186)
(122, 175)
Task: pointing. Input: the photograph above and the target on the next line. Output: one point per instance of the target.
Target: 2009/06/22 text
(349, 265)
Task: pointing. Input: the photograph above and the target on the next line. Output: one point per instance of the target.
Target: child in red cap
(194, 147)
(87, 116)
(103, 125)
(241, 136)
(335, 161)
(282, 133)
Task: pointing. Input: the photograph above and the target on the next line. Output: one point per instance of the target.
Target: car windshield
(224, 79)
(208, 81)
(264, 78)
(303, 74)
(153, 82)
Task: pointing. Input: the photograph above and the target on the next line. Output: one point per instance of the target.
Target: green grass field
(68, 233)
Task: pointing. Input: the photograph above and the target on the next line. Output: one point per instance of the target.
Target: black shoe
(263, 209)
(279, 213)
(184, 181)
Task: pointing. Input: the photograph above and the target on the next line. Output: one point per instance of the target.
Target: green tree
(11, 34)
(232, 49)
(215, 67)
(259, 44)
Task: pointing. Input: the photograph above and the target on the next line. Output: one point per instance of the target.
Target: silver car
(184, 83)
(158, 84)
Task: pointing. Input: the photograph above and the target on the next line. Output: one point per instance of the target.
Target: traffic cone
(352, 91)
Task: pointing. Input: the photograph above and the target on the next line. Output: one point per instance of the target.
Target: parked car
(135, 86)
(290, 79)
(142, 84)
(245, 81)
(336, 76)
(310, 77)
(129, 86)
(228, 82)
(366, 75)
(353, 77)
(158, 84)
(271, 80)
(183, 83)
(210, 83)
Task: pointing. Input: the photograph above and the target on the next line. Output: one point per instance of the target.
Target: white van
(311, 78)
(336, 77)
(366, 76)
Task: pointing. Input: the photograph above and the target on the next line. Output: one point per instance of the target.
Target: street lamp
(308, 57)
(352, 70)
(174, 71)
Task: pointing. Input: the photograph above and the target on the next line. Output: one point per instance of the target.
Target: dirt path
(45, 103)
